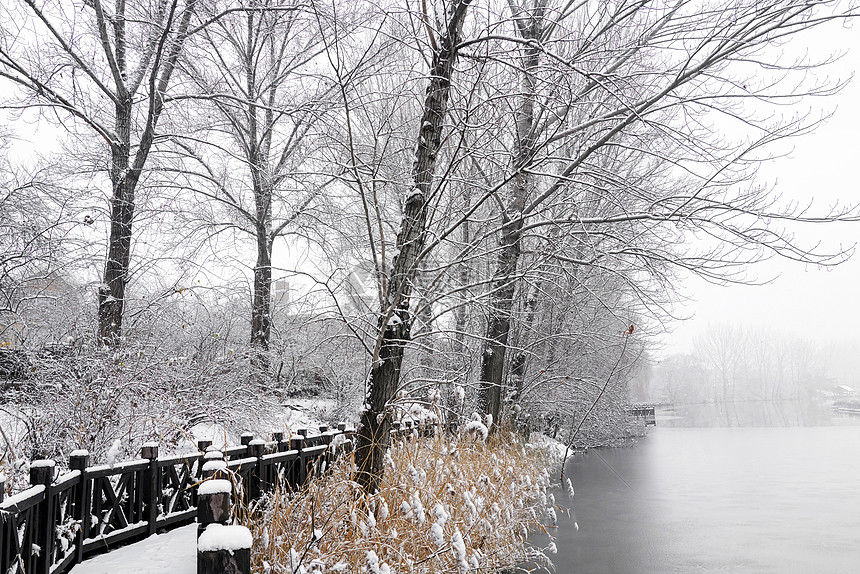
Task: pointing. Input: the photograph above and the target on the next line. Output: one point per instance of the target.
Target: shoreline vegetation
(445, 504)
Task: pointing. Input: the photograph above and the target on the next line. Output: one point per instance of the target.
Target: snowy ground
(172, 553)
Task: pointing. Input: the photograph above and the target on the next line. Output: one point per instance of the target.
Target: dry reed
(445, 505)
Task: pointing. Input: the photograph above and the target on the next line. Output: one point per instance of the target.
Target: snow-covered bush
(106, 399)
(445, 505)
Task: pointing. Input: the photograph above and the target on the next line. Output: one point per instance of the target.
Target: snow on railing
(62, 520)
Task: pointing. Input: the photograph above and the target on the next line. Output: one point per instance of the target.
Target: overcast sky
(806, 301)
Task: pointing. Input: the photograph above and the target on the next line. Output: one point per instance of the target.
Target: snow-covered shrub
(110, 402)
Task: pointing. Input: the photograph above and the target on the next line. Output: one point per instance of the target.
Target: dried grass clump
(445, 506)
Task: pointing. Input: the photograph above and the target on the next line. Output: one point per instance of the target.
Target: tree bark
(503, 286)
(261, 312)
(520, 360)
(111, 294)
(395, 321)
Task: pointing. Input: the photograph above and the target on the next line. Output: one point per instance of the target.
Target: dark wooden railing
(61, 521)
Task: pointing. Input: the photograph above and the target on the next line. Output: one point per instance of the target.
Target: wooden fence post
(303, 461)
(42, 473)
(246, 438)
(151, 480)
(256, 448)
(202, 445)
(221, 549)
(278, 437)
(79, 460)
(349, 442)
(297, 477)
(215, 468)
(224, 550)
(213, 453)
(214, 503)
(325, 461)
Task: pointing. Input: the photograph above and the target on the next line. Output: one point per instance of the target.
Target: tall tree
(253, 75)
(395, 318)
(108, 69)
(614, 141)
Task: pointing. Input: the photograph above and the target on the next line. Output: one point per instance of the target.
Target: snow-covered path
(172, 553)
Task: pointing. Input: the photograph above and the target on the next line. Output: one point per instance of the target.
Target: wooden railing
(61, 521)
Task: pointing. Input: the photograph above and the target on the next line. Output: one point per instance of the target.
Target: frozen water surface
(741, 500)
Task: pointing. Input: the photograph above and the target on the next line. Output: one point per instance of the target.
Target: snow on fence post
(214, 465)
(151, 485)
(42, 473)
(79, 460)
(221, 549)
(246, 438)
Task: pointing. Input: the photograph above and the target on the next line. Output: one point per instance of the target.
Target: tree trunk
(261, 312)
(111, 294)
(520, 360)
(261, 307)
(499, 320)
(395, 322)
(504, 280)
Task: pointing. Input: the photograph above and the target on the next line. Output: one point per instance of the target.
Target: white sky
(805, 301)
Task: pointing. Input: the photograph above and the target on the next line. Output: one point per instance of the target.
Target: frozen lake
(741, 500)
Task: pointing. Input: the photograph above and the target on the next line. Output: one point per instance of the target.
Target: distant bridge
(644, 411)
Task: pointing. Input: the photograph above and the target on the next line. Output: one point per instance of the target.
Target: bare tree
(395, 318)
(255, 86)
(612, 143)
(43, 246)
(107, 69)
(608, 162)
